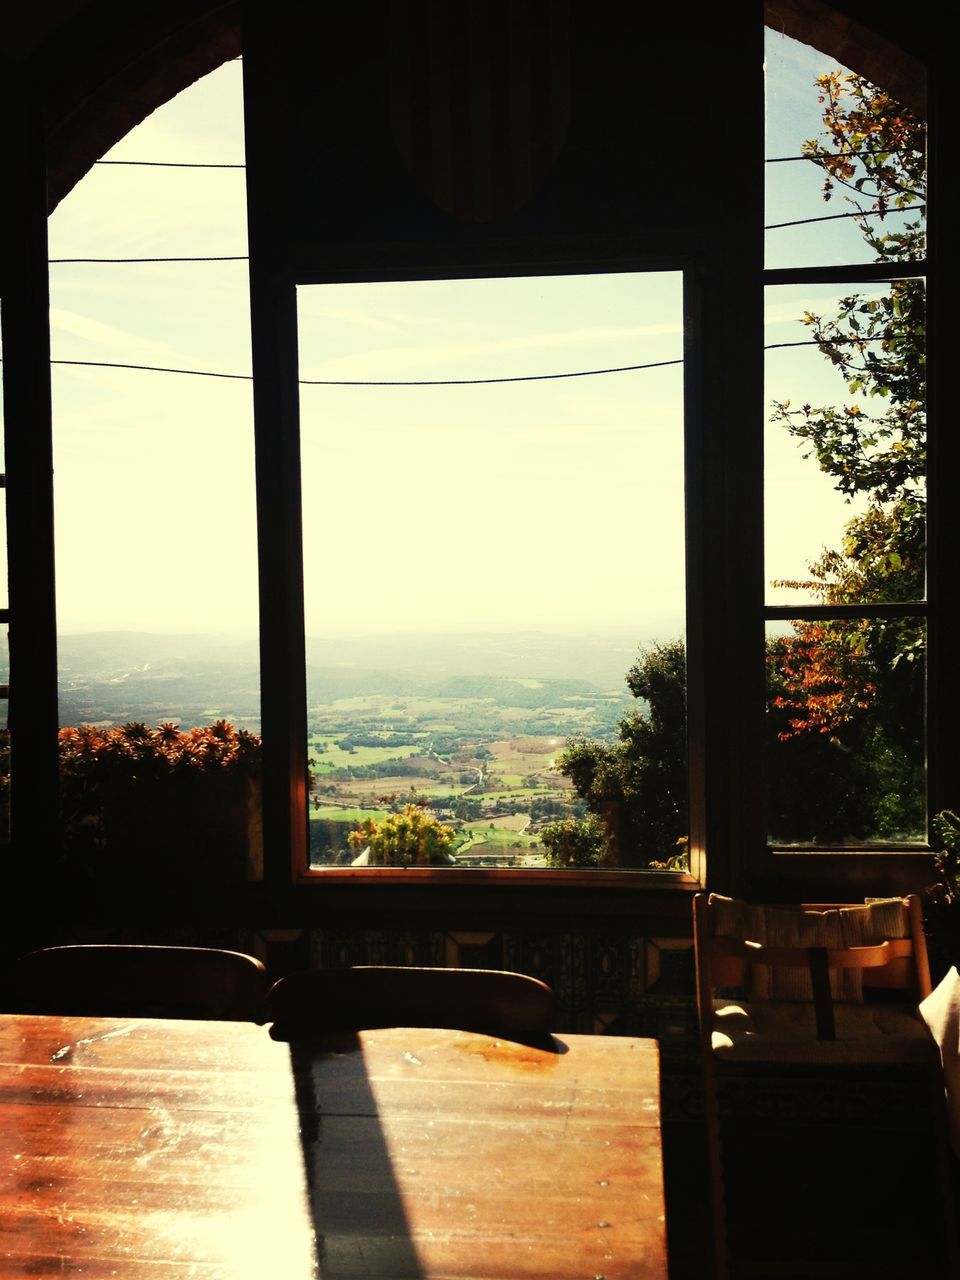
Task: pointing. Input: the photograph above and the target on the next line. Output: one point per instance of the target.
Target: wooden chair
(318, 1002)
(814, 986)
(141, 981)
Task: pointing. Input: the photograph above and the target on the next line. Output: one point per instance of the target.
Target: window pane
(155, 500)
(482, 560)
(4, 649)
(846, 731)
(845, 444)
(861, 196)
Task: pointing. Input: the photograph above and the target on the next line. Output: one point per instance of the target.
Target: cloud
(426, 358)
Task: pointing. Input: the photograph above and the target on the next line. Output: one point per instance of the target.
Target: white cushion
(941, 1012)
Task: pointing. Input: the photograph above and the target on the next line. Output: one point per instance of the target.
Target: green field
(511, 748)
(498, 838)
(334, 813)
(335, 757)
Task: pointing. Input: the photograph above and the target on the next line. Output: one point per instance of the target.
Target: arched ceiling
(105, 65)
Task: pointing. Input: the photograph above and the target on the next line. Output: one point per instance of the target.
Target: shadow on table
(358, 1214)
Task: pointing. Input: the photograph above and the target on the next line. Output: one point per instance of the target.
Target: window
(607, 189)
(483, 554)
(846, 446)
(155, 503)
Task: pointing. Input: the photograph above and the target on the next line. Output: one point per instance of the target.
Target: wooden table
(134, 1148)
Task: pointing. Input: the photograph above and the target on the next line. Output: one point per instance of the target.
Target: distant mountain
(601, 660)
(118, 676)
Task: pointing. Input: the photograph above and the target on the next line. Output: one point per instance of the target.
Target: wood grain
(131, 1148)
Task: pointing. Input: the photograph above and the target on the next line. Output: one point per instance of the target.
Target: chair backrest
(141, 981)
(316, 1002)
(833, 951)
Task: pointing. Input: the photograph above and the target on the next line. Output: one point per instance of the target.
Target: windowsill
(451, 876)
(851, 851)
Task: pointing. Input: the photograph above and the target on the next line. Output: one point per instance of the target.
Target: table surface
(134, 1148)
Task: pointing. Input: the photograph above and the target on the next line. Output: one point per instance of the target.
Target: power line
(238, 257)
(379, 382)
(169, 164)
(438, 382)
(100, 261)
(825, 342)
(154, 368)
(830, 217)
(203, 164)
(890, 151)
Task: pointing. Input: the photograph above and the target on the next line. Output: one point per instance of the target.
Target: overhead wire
(243, 257)
(439, 382)
(889, 151)
(203, 164)
(416, 382)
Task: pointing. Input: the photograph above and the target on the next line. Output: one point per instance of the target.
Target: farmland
(483, 759)
(469, 725)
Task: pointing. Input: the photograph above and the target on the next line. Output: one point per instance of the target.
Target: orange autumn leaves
(136, 750)
(823, 677)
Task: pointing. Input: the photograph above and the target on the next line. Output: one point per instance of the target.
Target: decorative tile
(609, 967)
(539, 955)
(335, 950)
(283, 951)
(580, 1012)
(620, 1022)
(669, 967)
(637, 953)
(466, 950)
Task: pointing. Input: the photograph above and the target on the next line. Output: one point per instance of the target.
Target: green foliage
(638, 785)
(411, 838)
(946, 828)
(573, 842)
(846, 695)
(875, 148)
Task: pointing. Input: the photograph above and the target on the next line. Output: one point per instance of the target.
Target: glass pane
(480, 564)
(155, 498)
(846, 731)
(840, 148)
(845, 444)
(4, 734)
(4, 650)
(4, 586)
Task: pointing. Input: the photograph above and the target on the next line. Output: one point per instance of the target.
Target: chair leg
(715, 1164)
(939, 1121)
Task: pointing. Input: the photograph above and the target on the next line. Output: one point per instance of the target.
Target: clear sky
(554, 504)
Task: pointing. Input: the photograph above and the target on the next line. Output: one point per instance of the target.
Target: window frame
(283, 555)
(724, 479)
(853, 275)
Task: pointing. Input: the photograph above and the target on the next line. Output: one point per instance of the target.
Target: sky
(556, 505)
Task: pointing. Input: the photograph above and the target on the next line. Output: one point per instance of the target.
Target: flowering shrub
(184, 800)
(135, 751)
(413, 837)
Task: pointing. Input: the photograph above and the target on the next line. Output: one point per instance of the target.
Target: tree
(637, 786)
(574, 842)
(413, 837)
(847, 692)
